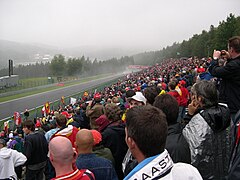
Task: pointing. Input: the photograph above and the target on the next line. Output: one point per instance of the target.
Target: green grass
(36, 112)
(69, 83)
(27, 83)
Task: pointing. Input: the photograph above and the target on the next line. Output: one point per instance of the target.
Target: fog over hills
(25, 53)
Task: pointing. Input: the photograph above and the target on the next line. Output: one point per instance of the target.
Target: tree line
(60, 66)
(200, 45)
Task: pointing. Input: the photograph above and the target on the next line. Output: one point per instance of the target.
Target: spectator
(94, 110)
(86, 120)
(172, 91)
(207, 133)
(102, 122)
(176, 144)
(146, 132)
(69, 131)
(160, 89)
(9, 159)
(184, 99)
(150, 93)
(62, 156)
(101, 168)
(230, 74)
(35, 149)
(99, 149)
(114, 136)
(137, 100)
(129, 94)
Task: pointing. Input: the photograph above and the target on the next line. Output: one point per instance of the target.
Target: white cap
(10, 135)
(139, 97)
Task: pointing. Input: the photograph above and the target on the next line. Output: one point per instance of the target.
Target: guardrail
(36, 112)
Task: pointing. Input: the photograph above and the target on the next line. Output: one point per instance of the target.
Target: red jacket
(175, 94)
(184, 97)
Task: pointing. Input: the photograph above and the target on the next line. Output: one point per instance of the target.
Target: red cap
(97, 96)
(182, 82)
(97, 137)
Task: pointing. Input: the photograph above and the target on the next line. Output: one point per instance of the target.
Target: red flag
(47, 108)
(17, 118)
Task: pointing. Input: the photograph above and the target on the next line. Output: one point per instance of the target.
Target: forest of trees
(60, 66)
(200, 45)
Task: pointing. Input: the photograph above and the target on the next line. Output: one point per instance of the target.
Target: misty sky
(144, 24)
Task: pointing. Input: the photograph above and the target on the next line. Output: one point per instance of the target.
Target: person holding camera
(230, 74)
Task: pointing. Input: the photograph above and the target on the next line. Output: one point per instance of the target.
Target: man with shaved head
(62, 157)
(102, 168)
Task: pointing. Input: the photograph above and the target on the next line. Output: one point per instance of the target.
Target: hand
(225, 54)
(216, 54)
(192, 107)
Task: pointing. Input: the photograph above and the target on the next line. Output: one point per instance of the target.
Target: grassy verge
(54, 87)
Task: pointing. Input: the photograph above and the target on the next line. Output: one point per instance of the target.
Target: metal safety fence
(37, 111)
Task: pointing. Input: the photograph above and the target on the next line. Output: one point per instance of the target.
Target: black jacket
(230, 74)
(113, 137)
(234, 166)
(35, 148)
(177, 145)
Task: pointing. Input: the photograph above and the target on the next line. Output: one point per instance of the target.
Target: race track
(8, 108)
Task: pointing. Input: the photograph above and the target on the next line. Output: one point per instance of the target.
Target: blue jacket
(101, 168)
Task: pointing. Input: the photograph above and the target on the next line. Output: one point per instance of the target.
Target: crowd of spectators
(170, 121)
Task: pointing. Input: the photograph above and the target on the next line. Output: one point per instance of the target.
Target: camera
(223, 53)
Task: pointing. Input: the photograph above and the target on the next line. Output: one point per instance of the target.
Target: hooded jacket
(8, 160)
(208, 137)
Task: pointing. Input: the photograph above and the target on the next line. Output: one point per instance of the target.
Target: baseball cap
(138, 97)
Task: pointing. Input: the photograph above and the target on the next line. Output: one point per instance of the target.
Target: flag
(6, 126)
(73, 101)
(62, 100)
(47, 108)
(17, 118)
(43, 111)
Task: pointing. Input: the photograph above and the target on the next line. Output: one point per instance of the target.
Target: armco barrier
(36, 112)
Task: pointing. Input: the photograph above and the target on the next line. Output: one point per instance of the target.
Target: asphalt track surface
(8, 108)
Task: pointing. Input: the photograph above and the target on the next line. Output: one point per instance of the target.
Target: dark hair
(172, 85)
(150, 93)
(208, 91)
(29, 124)
(130, 93)
(61, 120)
(234, 43)
(147, 126)
(169, 105)
(113, 112)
